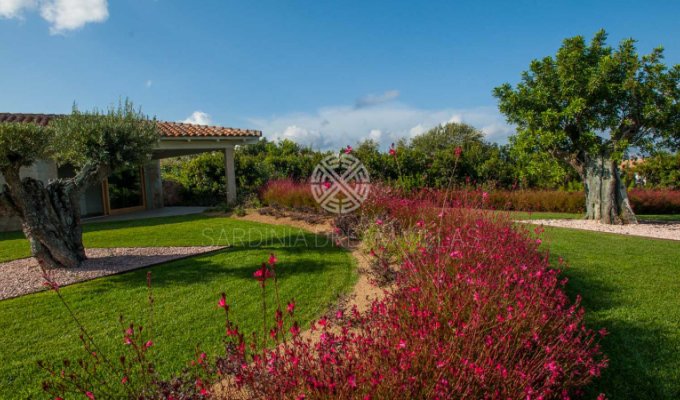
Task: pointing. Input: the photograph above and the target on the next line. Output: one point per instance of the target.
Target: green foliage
(22, 144)
(120, 138)
(428, 160)
(593, 99)
(202, 176)
(446, 137)
(185, 294)
(661, 170)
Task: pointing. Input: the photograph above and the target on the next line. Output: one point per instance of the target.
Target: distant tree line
(427, 160)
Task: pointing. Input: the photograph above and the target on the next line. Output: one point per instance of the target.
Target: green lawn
(37, 326)
(631, 286)
(556, 215)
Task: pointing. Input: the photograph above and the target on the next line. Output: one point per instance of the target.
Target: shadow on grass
(204, 267)
(641, 355)
(142, 223)
(113, 225)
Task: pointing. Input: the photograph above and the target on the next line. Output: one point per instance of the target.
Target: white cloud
(338, 126)
(63, 15)
(375, 135)
(375, 99)
(14, 8)
(198, 118)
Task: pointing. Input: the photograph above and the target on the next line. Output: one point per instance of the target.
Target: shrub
(538, 200)
(288, 193)
(655, 201)
(198, 179)
(475, 312)
(172, 193)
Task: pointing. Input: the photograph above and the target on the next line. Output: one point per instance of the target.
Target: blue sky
(325, 73)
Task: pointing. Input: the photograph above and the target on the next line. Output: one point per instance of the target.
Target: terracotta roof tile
(180, 129)
(167, 129)
(40, 119)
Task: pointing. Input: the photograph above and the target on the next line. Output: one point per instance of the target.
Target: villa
(139, 188)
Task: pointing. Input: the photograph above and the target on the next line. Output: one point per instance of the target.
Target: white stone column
(230, 174)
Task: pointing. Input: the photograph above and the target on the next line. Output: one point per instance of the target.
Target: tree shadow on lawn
(644, 357)
(144, 222)
(228, 264)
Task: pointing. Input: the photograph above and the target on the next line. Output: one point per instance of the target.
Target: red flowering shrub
(475, 312)
(538, 200)
(292, 194)
(655, 201)
(643, 201)
(288, 193)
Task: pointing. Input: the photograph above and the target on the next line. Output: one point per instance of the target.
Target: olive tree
(588, 105)
(95, 144)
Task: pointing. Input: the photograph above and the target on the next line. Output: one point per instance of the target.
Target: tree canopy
(95, 144)
(592, 98)
(587, 106)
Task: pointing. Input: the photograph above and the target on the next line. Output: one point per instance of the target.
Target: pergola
(179, 139)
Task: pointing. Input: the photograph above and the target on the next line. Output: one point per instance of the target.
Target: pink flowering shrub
(475, 312)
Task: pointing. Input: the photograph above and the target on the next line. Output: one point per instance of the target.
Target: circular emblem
(340, 183)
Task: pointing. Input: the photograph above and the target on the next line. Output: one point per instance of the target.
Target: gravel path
(23, 276)
(667, 230)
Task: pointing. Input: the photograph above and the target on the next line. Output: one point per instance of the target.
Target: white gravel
(666, 230)
(23, 276)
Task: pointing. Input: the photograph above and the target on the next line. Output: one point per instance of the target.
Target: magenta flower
(148, 344)
(378, 222)
(272, 259)
(291, 307)
(124, 380)
(223, 302)
(348, 149)
(263, 273)
(327, 184)
(89, 395)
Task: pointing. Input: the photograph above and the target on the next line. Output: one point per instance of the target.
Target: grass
(631, 286)
(34, 327)
(556, 215)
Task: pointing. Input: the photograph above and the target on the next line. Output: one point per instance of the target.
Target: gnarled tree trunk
(606, 196)
(50, 215)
